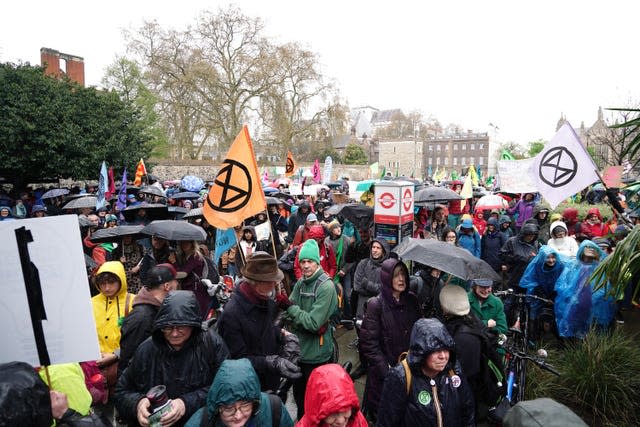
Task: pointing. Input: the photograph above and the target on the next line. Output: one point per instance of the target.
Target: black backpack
(492, 372)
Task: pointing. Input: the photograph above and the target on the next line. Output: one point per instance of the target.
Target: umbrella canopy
(194, 213)
(55, 192)
(81, 202)
(273, 200)
(492, 201)
(192, 183)
(115, 234)
(175, 230)
(430, 194)
(445, 257)
(177, 212)
(365, 185)
(360, 215)
(153, 190)
(185, 195)
(154, 211)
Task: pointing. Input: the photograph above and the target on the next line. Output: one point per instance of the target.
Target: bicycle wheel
(522, 380)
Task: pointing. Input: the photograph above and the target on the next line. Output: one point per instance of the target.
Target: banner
(315, 170)
(141, 170)
(467, 191)
(328, 170)
(563, 168)
(263, 231)
(236, 193)
(225, 239)
(102, 186)
(474, 176)
(612, 176)
(290, 167)
(111, 187)
(506, 155)
(121, 204)
(511, 176)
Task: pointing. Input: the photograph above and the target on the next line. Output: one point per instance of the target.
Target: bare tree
(611, 144)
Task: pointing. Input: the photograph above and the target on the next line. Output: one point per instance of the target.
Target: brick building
(457, 152)
(73, 65)
(404, 157)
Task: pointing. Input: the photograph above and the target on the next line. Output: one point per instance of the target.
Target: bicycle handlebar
(537, 360)
(525, 296)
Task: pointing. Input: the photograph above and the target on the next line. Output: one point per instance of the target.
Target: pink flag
(316, 172)
(612, 176)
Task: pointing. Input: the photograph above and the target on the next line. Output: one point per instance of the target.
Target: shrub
(600, 379)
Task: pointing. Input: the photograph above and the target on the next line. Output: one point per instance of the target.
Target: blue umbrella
(192, 183)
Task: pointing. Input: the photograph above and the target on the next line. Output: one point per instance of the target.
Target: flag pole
(613, 209)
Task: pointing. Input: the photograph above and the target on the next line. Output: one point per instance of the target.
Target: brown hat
(262, 267)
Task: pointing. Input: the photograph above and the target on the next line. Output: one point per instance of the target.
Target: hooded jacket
(449, 388)
(538, 279)
(490, 245)
(386, 330)
(297, 219)
(108, 312)
(524, 210)
(543, 224)
(235, 381)
(24, 397)
(570, 216)
(479, 223)
(577, 306)
(471, 242)
(187, 373)
(508, 232)
(327, 254)
(366, 280)
(566, 246)
(516, 253)
(330, 390)
(592, 230)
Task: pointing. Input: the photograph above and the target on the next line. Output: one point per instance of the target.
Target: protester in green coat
(310, 306)
(235, 399)
(486, 306)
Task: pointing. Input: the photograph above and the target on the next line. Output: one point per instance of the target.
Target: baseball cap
(163, 273)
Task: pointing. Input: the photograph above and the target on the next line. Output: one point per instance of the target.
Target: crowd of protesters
(160, 364)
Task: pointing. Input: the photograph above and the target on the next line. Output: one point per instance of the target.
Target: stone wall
(205, 169)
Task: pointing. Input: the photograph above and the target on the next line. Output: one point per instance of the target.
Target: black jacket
(248, 330)
(417, 408)
(137, 326)
(187, 373)
(297, 219)
(491, 244)
(468, 347)
(516, 254)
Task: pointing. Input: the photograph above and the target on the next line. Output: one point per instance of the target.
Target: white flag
(563, 168)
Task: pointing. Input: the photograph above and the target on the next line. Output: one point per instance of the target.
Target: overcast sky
(518, 65)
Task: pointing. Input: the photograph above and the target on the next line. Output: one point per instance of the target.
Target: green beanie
(310, 250)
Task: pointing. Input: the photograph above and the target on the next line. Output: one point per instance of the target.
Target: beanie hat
(110, 218)
(310, 250)
(555, 217)
(454, 300)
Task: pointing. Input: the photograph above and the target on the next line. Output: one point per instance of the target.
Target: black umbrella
(177, 212)
(175, 230)
(334, 184)
(273, 200)
(360, 215)
(81, 203)
(185, 195)
(55, 192)
(153, 190)
(430, 194)
(194, 214)
(115, 234)
(446, 257)
(154, 211)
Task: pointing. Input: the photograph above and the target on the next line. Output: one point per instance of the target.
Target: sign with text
(46, 309)
(393, 202)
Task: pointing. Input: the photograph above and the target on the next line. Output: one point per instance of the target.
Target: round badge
(456, 381)
(424, 397)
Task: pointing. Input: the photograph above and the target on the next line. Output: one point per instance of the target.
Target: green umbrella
(366, 184)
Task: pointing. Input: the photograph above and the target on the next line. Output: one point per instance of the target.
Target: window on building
(446, 161)
(472, 160)
(394, 150)
(438, 161)
(480, 146)
(464, 146)
(455, 161)
(464, 161)
(472, 146)
(480, 160)
(455, 146)
(430, 161)
(431, 148)
(438, 147)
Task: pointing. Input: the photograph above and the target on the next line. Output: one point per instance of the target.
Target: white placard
(295, 189)
(263, 231)
(56, 251)
(514, 176)
(311, 190)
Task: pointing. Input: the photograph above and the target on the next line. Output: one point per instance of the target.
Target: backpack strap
(126, 304)
(407, 370)
(276, 409)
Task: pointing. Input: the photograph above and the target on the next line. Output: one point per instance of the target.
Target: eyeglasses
(181, 329)
(229, 411)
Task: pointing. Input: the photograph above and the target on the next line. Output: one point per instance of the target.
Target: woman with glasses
(235, 400)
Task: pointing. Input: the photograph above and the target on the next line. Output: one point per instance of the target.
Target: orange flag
(236, 193)
(290, 168)
(141, 170)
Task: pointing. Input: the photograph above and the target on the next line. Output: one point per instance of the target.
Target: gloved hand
(282, 366)
(290, 348)
(283, 301)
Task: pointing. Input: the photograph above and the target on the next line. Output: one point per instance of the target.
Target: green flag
(384, 172)
(506, 155)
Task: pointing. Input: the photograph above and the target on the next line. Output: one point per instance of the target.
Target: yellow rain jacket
(108, 311)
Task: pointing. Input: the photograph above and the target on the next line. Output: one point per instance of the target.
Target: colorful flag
(121, 204)
(474, 176)
(384, 172)
(141, 170)
(563, 168)
(290, 167)
(316, 172)
(236, 193)
(506, 155)
(225, 239)
(479, 172)
(454, 175)
(612, 176)
(429, 172)
(102, 186)
(467, 191)
(111, 188)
